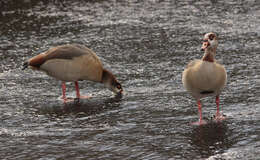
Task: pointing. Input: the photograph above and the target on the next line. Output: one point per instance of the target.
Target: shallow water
(146, 44)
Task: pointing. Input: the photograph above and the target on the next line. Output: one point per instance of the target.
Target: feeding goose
(73, 63)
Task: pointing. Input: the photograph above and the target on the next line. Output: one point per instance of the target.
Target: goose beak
(205, 45)
(120, 92)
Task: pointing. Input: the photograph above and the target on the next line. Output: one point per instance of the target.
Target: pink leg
(217, 103)
(218, 117)
(77, 91)
(65, 99)
(201, 121)
(200, 112)
(63, 91)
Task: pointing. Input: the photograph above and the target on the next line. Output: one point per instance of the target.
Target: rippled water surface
(146, 44)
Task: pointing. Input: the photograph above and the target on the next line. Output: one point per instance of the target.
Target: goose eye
(211, 37)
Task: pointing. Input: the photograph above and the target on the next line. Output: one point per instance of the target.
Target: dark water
(146, 44)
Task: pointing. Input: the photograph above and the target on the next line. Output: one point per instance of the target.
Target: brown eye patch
(211, 36)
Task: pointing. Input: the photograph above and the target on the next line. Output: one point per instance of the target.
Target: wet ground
(146, 44)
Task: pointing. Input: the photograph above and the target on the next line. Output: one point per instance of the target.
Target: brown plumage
(205, 77)
(71, 63)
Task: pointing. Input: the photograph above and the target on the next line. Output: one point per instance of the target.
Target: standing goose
(205, 77)
(72, 63)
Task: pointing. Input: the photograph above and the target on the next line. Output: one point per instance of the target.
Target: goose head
(210, 42)
(111, 82)
(113, 85)
(116, 87)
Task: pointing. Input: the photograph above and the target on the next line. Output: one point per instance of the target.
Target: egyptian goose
(73, 63)
(205, 77)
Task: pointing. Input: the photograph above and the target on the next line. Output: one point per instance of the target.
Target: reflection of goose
(92, 106)
(72, 63)
(210, 138)
(205, 77)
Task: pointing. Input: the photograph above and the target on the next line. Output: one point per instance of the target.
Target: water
(146, 44)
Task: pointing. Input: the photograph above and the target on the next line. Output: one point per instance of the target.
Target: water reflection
(211, 138)
(87, 107)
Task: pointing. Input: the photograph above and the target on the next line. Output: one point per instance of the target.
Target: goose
(206, 77)
(73, 63)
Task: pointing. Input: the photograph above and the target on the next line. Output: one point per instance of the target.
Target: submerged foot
(199, 123)
(69, 99)
(81, 97)
(84, 97)
(219, 117)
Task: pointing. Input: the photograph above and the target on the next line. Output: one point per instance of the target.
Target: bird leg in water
(65, 99)
(63, 90)
(218, 117)
(77, 92)
(201, 121)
